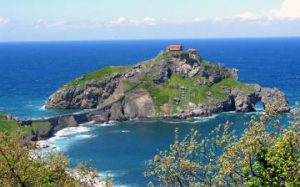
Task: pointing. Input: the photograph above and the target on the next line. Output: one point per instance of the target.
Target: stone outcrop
(138, 104)
(240, 102)
(84, 96)
(274, 98)
(56, 124)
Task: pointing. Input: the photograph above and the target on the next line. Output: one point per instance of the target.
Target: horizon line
(149, 39)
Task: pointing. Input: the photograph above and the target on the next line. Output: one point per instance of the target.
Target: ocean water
(31, 71)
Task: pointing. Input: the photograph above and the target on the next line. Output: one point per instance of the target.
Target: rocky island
(173, 84)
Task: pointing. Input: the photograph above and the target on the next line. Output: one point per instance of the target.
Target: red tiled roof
(174, 48)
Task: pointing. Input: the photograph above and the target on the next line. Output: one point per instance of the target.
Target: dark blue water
(30, 72)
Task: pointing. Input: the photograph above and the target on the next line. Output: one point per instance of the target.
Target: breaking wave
(66, 137)
(42, 108)
(72, 131)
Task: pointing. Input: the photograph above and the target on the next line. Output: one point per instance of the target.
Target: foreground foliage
(266, 154)
(21, 166)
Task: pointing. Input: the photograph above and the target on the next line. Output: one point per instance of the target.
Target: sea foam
(72, 131)
(67, 136)
(42, 108)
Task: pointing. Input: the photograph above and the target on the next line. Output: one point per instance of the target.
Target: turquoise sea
(31, 71)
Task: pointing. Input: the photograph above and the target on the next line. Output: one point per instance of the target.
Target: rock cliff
(173, 84)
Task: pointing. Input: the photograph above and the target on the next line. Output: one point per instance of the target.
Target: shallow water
(121, 149)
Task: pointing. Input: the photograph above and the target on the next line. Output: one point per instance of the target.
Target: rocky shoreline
(104, 115)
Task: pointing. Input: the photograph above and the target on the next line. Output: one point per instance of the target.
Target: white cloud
(243, 17)
(289, 9)
(41, 23)
(119, 21)
(4, 21)
(84, 24)
(248, 16)
(143, 21)
(62, 24)
(149, 21)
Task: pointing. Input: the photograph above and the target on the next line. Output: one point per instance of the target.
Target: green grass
(99, 75)
(163, 56)
(159, 98)
(44, 126)
(207, 63)
(7, 124)
(197, 94)
(233, 83)
(11, 125)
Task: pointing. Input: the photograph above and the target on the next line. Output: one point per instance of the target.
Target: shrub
(266, 154)
(21, 166)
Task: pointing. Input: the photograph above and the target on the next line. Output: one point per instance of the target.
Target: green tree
(266, 154)
(21, 166)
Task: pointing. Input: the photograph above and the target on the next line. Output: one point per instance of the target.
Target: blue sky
(36, 20)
